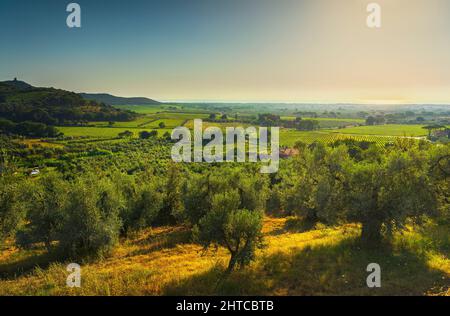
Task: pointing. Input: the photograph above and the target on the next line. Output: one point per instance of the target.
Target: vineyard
(290, 137)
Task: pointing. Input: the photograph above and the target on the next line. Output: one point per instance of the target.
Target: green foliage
(238, 230)
(12, 210)
(381, 190)
(314, 189)
(172, 208)
(199, 191)
(147, 135)
(52, 106)
(46, 202)
(30, 129)
(144, 198)
(386, 194)
(125, 134)
(92, 222)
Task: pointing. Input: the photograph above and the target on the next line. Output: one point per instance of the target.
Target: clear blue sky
(232, 50)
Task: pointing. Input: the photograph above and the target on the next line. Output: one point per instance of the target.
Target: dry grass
(321, 261)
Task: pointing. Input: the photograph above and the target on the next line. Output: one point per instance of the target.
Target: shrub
(46, 203)
(12, 209)
(92, 223)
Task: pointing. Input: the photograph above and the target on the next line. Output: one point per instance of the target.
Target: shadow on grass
(338, 269)
(163, 240)
(26, 263)
(295, 225)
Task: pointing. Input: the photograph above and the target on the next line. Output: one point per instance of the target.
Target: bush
(92, 222)
(46, 203)
(144, 203)
(12, 209)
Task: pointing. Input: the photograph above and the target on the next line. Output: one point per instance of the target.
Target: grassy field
(142, 109)
(104, 132)
(354, 120)
(321, 261)
(190, 124)
(330, 122)
(169, 123)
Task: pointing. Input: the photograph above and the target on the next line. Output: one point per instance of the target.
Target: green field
(142, 109)
(103, 132)
(289, 137)
(330, 122)
(385, 130)
(169, 123)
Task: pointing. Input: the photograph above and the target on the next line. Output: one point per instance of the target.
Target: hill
(163, 261)
(20, 101)
(17, 84)
(113, 100)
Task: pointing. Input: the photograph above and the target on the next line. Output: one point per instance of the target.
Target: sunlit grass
(322, 261)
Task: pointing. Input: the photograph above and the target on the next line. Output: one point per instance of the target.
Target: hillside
(20, 101)
(322, 261)
(113, 100)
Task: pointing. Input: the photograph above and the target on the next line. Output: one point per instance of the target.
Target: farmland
(158, 211)
(151, 120)
(103, 132)
(290, 137)
(386, 130)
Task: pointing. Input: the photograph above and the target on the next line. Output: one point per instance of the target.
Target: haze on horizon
(318, 51)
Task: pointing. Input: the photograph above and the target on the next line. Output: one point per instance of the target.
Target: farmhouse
(442, 133)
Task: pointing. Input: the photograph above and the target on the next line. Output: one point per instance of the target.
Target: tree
(212, 116)
(313, 188)
(172, 209)
(196, 197)
(91, 227)
(125, 134)
(433, 127)
(167, 136)
(307, 125)
(162, 125)
(147, 135)
(6, 126)
(383, 195)
(12, 209)
(370, 120)
(239, 231)
(380, 120)
(144, 202)
(45, 216)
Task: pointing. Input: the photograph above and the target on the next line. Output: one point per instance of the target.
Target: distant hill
(17, 84)
(113, 100)
(20, 101)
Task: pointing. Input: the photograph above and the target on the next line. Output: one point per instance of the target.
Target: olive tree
(142, 196)
(238, 230)
(314, 189)
(384, 195)
(46, 202)
(12, 208)
(172, 209)
(92, 223)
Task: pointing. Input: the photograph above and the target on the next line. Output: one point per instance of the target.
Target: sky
(233, 50)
